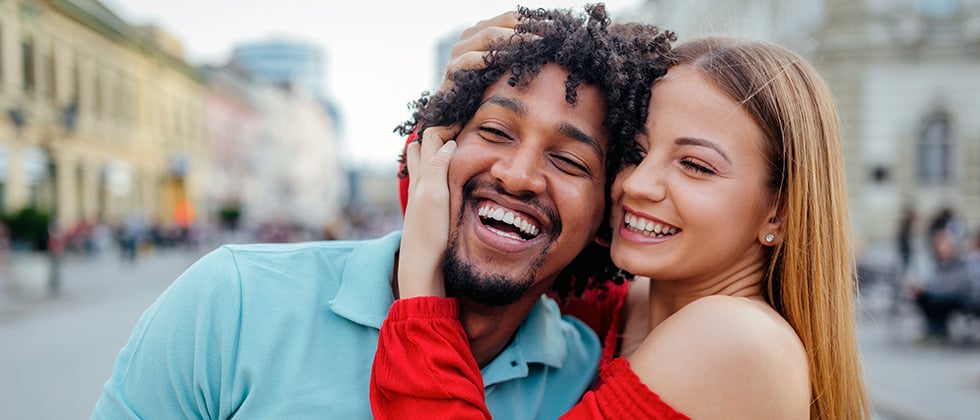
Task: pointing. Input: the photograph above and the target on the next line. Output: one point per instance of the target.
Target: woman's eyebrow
(694, 141)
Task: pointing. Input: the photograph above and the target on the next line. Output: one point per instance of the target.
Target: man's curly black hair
(622, 60)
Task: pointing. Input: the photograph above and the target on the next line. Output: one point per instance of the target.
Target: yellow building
(98, 118)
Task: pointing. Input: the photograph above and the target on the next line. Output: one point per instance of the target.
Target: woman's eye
(697, 166)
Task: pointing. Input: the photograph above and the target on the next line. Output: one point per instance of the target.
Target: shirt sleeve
(423, 369)
(179, 360)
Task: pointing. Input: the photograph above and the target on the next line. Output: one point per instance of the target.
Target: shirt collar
(540, 339)
(365, 294)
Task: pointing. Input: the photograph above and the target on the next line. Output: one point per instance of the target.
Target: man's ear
(604, 236)
(601, 241)
(771, 231)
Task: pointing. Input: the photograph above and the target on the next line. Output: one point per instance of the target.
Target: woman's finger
(412, 163)
(468, 52)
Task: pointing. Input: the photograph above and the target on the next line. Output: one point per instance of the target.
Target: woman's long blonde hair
(810, 279)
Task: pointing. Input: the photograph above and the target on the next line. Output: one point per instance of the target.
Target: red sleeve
(621, 395)
(423, 368)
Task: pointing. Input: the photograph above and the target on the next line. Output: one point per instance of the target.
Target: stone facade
(99, 119)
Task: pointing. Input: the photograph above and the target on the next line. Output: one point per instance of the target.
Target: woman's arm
(423, 369)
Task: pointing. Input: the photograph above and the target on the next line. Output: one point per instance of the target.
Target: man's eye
(491, 133)
(570, 166)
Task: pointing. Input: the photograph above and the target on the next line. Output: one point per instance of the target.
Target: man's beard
(463, 280)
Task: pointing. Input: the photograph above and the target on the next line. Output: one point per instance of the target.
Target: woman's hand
(426, 227)
(468, 52)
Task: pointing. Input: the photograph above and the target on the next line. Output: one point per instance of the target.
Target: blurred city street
(57, 352)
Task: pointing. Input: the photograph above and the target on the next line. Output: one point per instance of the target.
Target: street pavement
(55, 353)
(914, 380)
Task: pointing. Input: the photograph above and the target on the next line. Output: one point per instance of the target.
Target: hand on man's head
(469, 51)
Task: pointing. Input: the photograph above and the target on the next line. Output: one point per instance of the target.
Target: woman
(733, 210)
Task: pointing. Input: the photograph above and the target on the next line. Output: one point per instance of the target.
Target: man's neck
(490, 329)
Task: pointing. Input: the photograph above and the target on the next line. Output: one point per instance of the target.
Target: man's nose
(520, 173)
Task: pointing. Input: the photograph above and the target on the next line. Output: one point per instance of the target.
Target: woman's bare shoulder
(726, 357)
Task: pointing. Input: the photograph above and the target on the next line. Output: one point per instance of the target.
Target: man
(289, 331)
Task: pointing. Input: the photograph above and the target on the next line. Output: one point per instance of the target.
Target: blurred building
(791, 23)
(904, 74)
(232, 131)
(906, 77)
(284, 62)
(298, 65)
(300, 175)
(100, 118)
(274, 139)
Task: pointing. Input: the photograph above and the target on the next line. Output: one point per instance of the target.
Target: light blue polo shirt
(289, 331)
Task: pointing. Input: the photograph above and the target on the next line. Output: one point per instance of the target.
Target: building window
(76, 80)
(27, 63)
(129, 100)
(935, 151)
(50, 77)
(80, 192)
(118, 97)
(97, 104)
(2, 61)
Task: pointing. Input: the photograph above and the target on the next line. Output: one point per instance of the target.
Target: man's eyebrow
(514, 105)
(572, 132)
(694, 141)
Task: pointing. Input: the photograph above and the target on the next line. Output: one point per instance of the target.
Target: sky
(380, 54)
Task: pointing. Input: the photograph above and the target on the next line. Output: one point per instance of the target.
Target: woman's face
(697, 206)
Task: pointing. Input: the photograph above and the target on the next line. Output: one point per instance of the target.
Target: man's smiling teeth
(509, 218)
(648, 227)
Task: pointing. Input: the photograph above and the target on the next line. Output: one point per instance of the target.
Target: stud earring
(770, 237)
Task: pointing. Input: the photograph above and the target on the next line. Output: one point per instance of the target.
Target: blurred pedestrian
(973, 267)
(947, 219)
(904, 238)
(132, 232)
(944, 287)
(4, 243)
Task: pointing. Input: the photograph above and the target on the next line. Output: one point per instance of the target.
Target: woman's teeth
(648, 227)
